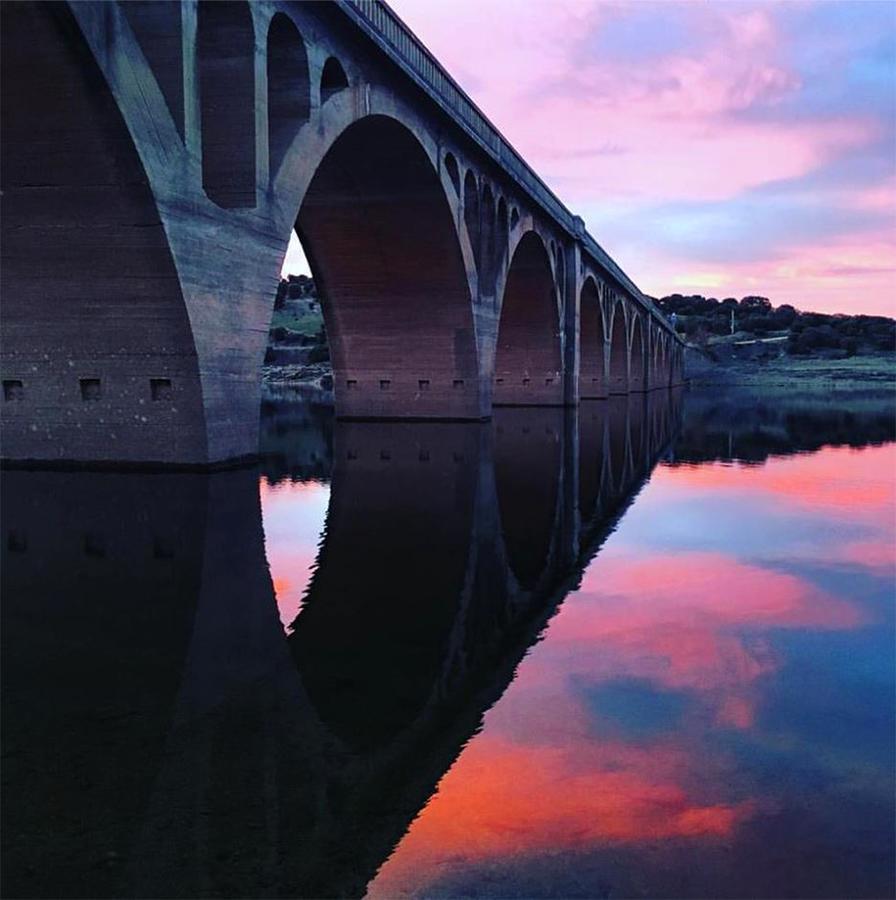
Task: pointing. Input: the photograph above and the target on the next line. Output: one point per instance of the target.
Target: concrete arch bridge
(157, 157)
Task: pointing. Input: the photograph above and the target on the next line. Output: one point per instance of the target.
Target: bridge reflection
(164, 737)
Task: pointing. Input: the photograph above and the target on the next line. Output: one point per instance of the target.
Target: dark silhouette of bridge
(158, 155)
(165, 737)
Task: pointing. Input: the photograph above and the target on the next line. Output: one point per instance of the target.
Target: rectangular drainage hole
(526, 380)
(499, 381)
(160, 388)
(16, 542)
(458, 382)
(351, 382)
(424, 384)
(90, 389)
(13, 390)
(549, 381)
(385, 384)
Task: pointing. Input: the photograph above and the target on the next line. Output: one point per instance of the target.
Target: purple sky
(718, 148)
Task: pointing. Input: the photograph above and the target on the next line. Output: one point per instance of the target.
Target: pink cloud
(617, 136)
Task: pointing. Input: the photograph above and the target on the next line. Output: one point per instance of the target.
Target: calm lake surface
(643, 652)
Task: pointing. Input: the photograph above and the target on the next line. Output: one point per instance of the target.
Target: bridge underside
(147, 215)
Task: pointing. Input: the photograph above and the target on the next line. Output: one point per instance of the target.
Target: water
(647, 652)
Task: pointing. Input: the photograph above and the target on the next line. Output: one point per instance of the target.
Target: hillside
(752, 328)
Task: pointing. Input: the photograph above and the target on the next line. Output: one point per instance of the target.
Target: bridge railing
(387, 30)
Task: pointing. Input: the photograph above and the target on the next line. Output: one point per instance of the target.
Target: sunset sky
(717, 148)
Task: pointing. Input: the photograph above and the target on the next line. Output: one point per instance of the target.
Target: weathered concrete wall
(165, 152)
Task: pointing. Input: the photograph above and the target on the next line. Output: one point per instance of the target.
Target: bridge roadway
(156, 157)
(164, 736)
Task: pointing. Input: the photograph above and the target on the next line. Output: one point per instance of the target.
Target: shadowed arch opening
(381, 241)
(638, 431)
(592, 382)
(528, 368)
(487, 266)
(471, 215)
(225, 49)
(289, 89)
(502, 235)
(618, 368)
(90, 291)
(617, 434)
(453, 172)
(592, 421)
(332, 80)
(160, 32)
(373, 639)
(528, 448)
(638, 366)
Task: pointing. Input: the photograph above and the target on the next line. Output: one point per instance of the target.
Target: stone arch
(592, 421)
(471, 215)
(528, 464)
(97, 265)
(638, 358)
(402, 507)
(528, 367)
(225, 50)
(289, 87)
(378, 230)
(332, 79)
(503, 231)
(453, 171)
(488, 225)
(617, 442)
(592, 380)
(638, 430)
(618, 362)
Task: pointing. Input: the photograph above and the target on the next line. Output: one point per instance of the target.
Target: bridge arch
(638, 358)
(592, 379)
(225, 50)
(592, 422)
(289, 88)
(379, 234)
(488, 227)
(618, 363)
(85, 257)
(528, 465)
(453, 171)
(332, 79)
(472, 218)
(503, 233)
(528, 363)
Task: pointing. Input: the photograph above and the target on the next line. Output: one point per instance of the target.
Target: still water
(645, 651)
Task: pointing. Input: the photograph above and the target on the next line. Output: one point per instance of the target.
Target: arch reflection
(166, 737)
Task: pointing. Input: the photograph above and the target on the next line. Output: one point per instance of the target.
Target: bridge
(256, 762)
(157, 157)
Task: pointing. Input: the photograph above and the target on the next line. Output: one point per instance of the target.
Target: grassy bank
(793, 374)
